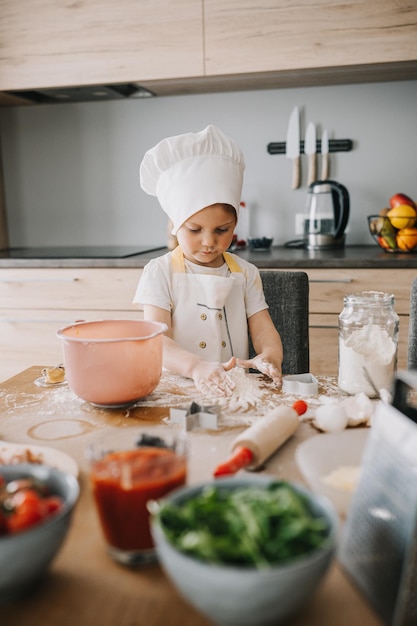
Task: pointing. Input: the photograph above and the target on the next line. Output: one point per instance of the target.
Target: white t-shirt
(155, 284)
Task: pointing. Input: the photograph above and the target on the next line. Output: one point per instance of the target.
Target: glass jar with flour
(368, 340)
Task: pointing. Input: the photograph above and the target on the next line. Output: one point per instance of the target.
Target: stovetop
(76, 252)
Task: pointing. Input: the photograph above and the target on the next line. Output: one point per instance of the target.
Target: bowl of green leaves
(245, 551)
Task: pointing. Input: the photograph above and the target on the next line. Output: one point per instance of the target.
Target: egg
(331, 418)
(359, 409)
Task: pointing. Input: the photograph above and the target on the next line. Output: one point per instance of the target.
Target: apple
(401, 198)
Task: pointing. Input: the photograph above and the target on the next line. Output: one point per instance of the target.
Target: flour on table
(253, 396)
(246, 393)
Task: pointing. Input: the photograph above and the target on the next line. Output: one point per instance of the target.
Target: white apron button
(202, 344)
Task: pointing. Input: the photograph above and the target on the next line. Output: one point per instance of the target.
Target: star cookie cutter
(196, 416)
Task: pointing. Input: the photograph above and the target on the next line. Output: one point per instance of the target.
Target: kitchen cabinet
(245, 36)
(327, 290)
(187, 46)
(35, 303)
(48, 44)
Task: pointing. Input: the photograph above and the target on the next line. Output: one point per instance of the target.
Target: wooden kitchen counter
(84, 586)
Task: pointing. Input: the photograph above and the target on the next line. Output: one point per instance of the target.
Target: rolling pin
(258, 442)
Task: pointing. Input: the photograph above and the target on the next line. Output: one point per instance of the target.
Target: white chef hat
(192, 171)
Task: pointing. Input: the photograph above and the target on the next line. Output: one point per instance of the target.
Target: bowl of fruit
(395, 228)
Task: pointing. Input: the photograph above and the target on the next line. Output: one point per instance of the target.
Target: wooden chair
(287, 294)
(412, 329)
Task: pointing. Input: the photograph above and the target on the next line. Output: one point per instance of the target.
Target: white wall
(71, 171)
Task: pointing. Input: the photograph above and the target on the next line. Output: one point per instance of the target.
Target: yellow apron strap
(177, 260)
(231, 262)
(178, 265)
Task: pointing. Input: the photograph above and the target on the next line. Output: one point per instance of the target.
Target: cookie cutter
(301, 384)
(196, 416)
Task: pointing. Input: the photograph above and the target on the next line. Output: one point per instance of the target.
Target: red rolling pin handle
(300, 407)
(240, 458)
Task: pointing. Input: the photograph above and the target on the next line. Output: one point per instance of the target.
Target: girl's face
(207, 234)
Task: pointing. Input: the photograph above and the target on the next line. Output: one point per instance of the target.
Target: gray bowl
(25, 556)
(246, 596)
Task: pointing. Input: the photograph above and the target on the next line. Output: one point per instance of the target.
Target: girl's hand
(265, 367)
(211, 379)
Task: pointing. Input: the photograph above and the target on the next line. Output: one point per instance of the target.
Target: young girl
(208, 298)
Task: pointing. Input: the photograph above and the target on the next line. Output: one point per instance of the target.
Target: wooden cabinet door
(110, 289)
(45, 43)
(327, 290)
(244, 36)
(29, 337)
(36, 302)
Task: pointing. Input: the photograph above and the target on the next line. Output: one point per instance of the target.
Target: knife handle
(295, 173)
(324, 167)
(312, 172)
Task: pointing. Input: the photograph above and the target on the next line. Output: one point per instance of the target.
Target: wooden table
(84, 586)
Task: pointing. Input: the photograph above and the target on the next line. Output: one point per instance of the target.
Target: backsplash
(72, 171)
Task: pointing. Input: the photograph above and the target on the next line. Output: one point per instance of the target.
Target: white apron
(209, 313)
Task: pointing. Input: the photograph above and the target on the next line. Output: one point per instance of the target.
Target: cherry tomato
(25, 508)
(28, 509)
(52, 504)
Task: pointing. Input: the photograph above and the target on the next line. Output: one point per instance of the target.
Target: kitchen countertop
(84, 585)
(279, 257)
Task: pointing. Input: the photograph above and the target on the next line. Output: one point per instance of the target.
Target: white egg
(359, 409)
(331, 418)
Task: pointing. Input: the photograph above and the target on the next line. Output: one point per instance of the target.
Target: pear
(382, 227)
(388, 233)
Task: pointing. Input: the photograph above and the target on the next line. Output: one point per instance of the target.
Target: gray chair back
(287, 294)
(412, 329)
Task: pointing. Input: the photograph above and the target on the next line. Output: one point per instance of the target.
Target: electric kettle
(326, 215)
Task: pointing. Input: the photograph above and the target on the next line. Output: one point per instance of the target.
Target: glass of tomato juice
(128, 468)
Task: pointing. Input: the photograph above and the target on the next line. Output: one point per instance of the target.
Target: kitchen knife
(310, 150)
(292, 148)
(324, 156)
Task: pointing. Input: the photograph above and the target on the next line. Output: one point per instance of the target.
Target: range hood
(86, 93)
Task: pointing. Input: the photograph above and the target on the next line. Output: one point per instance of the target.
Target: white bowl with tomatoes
(36, 506)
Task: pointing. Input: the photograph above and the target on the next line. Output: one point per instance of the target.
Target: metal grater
(378, 547)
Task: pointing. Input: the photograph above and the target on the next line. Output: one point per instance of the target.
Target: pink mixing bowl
(112, 362)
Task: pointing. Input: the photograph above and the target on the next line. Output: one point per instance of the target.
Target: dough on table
(54, 374)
